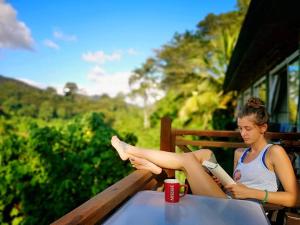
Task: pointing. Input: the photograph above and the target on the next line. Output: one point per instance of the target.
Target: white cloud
(64, 37)
(58, 36)
(132, 51)
(13, 33)
(51, 44)
(111, 84)
(100, 57)
(96, 72)
(101, 82)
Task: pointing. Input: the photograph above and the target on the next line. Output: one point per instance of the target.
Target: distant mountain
(6, 81)
(10, 88)
(15, 89)
(20, 98)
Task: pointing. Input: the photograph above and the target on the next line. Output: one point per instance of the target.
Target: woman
(257, 169)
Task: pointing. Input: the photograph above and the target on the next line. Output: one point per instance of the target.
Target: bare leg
(138, 163)
(120, 146)
(143, 164)
(204, 154)
(201, 183)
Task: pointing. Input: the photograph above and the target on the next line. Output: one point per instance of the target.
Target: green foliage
(221, 32)
(70, 88)
(46, 111)
(180, 62)
(193, 66)
(242, 5)
(167, 106)
(49, 171)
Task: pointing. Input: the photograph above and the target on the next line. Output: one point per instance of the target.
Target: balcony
(101, 206)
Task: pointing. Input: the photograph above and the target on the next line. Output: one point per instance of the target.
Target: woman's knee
(204, 154)
(188, 159)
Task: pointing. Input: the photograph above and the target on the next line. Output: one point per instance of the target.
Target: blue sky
(94, 43)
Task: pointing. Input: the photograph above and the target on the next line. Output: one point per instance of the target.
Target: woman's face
(250, 132)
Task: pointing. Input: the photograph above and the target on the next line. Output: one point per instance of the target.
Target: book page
(219, 172)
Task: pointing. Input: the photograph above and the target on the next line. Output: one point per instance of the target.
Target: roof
(270, 32)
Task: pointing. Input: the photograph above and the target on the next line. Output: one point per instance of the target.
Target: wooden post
(165, 134)
(167, 142)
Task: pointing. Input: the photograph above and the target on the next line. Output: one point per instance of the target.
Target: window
(246, 95)
(281, 88)
(260, 89)
(293, 93)
(278, 99)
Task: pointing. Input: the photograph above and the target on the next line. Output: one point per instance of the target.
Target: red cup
(172, 190)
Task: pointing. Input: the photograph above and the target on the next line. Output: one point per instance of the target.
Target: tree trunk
(146, 114)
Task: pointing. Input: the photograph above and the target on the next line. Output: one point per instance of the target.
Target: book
(219, 172)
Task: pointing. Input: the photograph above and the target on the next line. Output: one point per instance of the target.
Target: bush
(50, 171)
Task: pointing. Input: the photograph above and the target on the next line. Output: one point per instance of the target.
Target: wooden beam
(207, 133)
(283, 135)
(290, 143)
(227, 133)
(95, 209)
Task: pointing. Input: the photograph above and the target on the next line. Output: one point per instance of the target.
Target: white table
(149, 207)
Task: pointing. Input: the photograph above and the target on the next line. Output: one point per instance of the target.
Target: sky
(94, 43)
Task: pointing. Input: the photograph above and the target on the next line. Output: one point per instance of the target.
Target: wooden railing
(176, 137)
(99, 207)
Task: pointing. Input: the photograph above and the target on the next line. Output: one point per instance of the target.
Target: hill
(21, 99)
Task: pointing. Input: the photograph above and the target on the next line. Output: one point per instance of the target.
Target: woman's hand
(238, 190)
(217, 180)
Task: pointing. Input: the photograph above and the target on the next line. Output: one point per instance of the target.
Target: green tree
(28, 110)
(50, 171)
(194, 64)
(146, 86)
(180, 62)
(51, 91)
(221, 32)
(46, 111)
(70, 88)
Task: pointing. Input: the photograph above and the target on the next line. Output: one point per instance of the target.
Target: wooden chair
(292, 218)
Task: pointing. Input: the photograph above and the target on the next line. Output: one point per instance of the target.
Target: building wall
(279, 88)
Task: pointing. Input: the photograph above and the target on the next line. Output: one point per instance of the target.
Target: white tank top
(255, 174)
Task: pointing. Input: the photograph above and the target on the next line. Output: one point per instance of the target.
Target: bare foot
(144, 164)
(120, 146)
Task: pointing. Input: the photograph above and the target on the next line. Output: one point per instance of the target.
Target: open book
(219, 172)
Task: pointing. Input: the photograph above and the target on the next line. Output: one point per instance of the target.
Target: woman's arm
(284, 170)
(280, 162)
